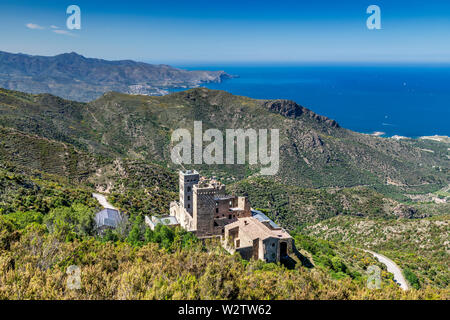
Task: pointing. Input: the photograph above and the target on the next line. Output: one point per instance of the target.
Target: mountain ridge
(75, 77)
(314, 150)
(55, 152)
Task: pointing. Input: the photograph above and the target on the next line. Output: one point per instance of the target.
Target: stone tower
(187, 180)
(205, 196)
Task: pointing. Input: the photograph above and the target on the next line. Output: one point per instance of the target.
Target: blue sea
(410, 101)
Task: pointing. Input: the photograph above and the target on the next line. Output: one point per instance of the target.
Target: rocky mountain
(314, 150)
(354, 190)
(75, 77)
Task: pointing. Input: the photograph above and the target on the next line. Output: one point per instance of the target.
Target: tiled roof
(252, 228)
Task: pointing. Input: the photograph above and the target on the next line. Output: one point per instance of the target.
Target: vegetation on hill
(419, 246)
(33, 265)
(75, 77)
(137, 187)
(336, 190)
(39, 193)
(296, 206)
(47, 224)
(314, 150)
(29, 152)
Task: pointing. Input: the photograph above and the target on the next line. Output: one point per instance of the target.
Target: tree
(136, 234)
(22, 219)
(77, 219)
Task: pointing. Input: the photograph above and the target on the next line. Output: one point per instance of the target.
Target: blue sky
(199, 31)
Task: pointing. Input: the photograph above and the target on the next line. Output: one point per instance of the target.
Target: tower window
(189, 206)
(189, 189)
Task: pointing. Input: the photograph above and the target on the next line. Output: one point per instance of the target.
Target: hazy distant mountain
(75, 77)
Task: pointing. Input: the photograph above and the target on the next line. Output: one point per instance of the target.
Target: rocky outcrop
(291, 109)
(286, 108)
(407, 212)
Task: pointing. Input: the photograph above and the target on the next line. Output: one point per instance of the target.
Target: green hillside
(419, 246)
(314, 151)
(293, 206)
(54, 153)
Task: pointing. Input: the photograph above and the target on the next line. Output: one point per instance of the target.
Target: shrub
(411, 278)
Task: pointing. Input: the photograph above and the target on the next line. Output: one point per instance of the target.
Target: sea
(385, 100)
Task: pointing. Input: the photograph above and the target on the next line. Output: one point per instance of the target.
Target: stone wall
(186, 185)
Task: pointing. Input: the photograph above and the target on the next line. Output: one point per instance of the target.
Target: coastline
(437, 138)
(389, 99)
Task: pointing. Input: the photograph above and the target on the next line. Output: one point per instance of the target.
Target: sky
(230, 31)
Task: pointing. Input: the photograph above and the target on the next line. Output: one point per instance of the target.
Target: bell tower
(188, 179)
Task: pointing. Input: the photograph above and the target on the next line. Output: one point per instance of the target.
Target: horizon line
(207, 62)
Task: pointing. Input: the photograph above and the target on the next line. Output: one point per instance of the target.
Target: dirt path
(392, 268)
(102, 200)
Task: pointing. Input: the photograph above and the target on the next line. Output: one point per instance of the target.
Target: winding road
(391, 265)
(392, 268)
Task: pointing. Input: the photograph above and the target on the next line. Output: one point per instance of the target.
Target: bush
(411, 278)
(22, 219)
(77, 219)
(170, 238)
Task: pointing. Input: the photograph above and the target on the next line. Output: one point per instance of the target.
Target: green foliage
(142, 188)
(315, 151)
(414, 244)
(170, 238)
(39, 193)
(162, 235)
(136, 234)
(47, 175)
(77, 219)
(22, 219)
(109, 236)
(411, 278)
(36, 269)
(8, 233)
(338, 259)
(294, 206)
